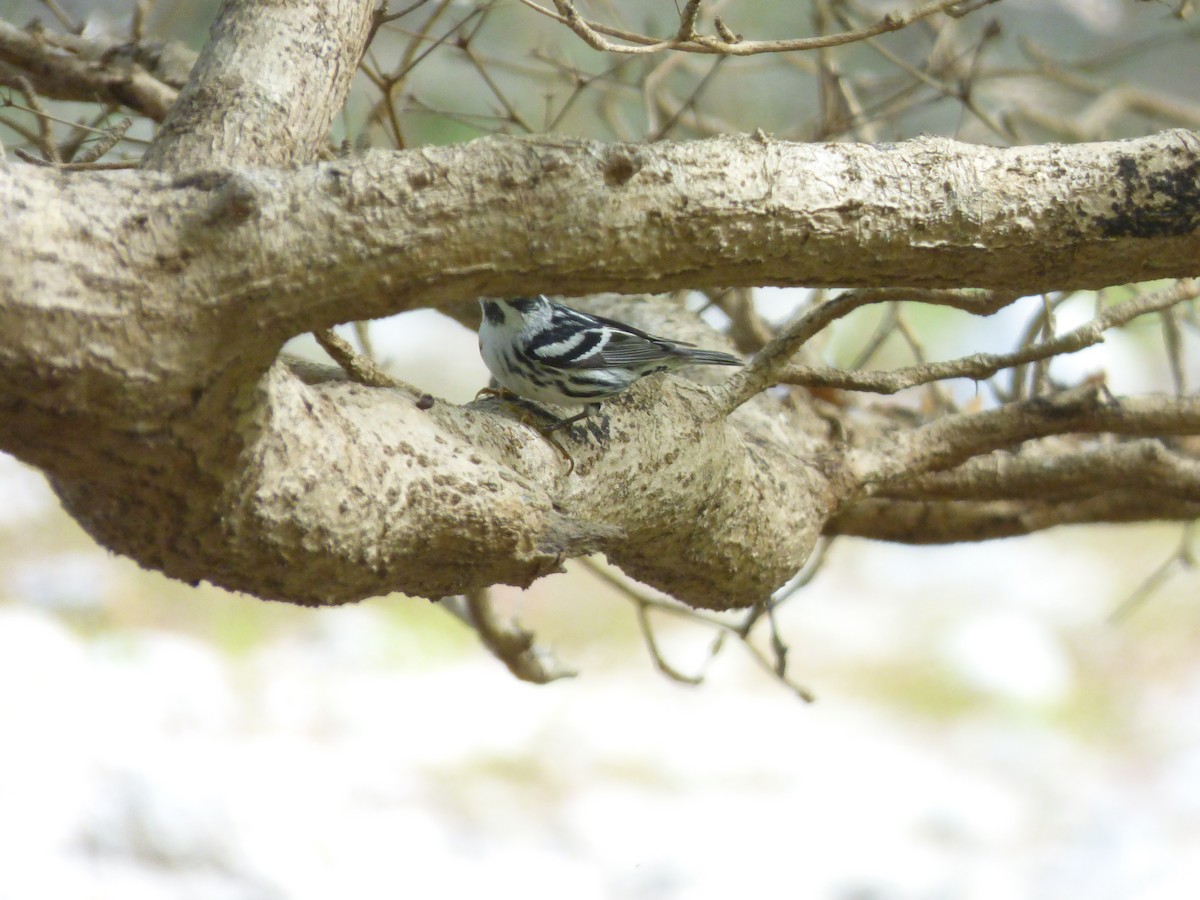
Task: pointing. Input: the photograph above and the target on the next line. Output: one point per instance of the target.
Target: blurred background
(1010, 720)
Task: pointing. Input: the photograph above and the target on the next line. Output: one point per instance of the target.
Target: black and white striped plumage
(551, 353)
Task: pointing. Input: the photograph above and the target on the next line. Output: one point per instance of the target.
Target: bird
(550, 353)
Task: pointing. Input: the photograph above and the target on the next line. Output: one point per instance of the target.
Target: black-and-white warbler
(551, 353)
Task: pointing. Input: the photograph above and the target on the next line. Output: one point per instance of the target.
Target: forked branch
(689, 40)
(979, 366)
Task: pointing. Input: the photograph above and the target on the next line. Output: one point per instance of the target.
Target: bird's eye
(493, 312)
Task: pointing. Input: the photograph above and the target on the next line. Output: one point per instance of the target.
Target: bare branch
(1050, 471)
(360, 368)
(511, 644)
(660, 662)
(63, 75)
(44, 140)
(644, 602)
(979, 366)
(951, 440)
(942, 522)
(688, 40)
(770, 366)
(109, 138)
(1181, 558)
(290, 92)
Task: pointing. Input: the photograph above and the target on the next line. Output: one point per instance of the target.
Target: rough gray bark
(141, 314)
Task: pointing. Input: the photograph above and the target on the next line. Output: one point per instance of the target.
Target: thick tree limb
(266, 86)
(747, 212)
(141, 314)
(212, 273)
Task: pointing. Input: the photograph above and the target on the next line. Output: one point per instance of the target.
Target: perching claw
(526, 417)
(548, 435)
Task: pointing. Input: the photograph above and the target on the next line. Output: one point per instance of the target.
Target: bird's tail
(707, 357)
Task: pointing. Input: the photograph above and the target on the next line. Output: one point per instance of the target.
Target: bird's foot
(527, 417)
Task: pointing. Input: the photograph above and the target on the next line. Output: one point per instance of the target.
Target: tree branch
(288, 67)
(771, 366)
(205, 276)
(951, 440)
(511, 644)
(1060, 469)
(946, 522)
(86, 71)
(747, 212)
(141, 314)
(687, 39)
(979, 366)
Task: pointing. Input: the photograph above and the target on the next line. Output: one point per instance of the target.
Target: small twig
(965, 7)
(947, 86)
(645, 602)
(979, 366)
(358, 367)
(816, 561)
(883, 331)
(63, 19)
(109, 139)
(778, 647)
(763, 370)
(69, 148)
(137, 21)
(412, 58)
(7, 102)
(362, 331)
(767, 367)
(497, 91)
(383, 17)
(1019, 381)
(688, 40)
(1173, 341)
(687, 22)
(690, 103)
(660, 662)
(726, 33)
(45, 137)
(747, 329)
(1040, 370)
(935, 393)
(511, 644)
(76, 166)
(1181, 558)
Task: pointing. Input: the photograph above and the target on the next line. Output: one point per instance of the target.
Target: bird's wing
(602, 348)
(629, 346)
(634, 348)
(579, 341)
